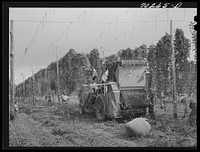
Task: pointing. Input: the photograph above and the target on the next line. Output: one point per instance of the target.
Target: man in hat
(94, 75)
(104, 77)
(94, 78)
(65, 100)
(103, 80)
(48, 98)
(64, 97)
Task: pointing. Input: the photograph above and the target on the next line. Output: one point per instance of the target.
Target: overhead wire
(31, 65)
(182, 21)
(57, 38)
(34, 36)
(156, 23)
(97, 22)
(91, 15)
(134, 28)
(108, 24)
(67, 29)
(34, 61)
(94, 22)
(36, 32)
(83, 18)
(144, 21)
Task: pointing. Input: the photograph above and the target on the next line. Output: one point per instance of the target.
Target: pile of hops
(134, 98)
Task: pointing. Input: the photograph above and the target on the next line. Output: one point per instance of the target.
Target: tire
(82, 102)
(100, 108)
(81, 111)
(86, 107)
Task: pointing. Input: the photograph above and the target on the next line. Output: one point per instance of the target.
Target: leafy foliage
(194, 38)
(151, 58)
(71, 74)
(162, 56)
(182, 48)
(75, 68)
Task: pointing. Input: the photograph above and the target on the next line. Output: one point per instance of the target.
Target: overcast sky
(107, 29)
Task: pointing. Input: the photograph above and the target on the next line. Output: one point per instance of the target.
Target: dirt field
(43, 125)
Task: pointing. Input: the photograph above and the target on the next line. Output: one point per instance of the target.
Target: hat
(94, 77)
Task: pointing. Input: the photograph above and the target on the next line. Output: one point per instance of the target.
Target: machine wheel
(82, 102)
(86, 107)
(132, 116)
(100, 108)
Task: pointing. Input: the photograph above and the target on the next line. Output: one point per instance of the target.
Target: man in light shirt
(94, 75)
(64, 97)
(190, 102)
(104, 77)
(65, 100)
(16, 106)
(94, 78)
(103, 80)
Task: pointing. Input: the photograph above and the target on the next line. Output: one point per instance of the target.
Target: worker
(94, 75)
(163, 105)
(190, 102)
(64, 97)
(151, 107)
(16, 106)
(48, 98)
(65, 102)
(186, 104)
(181, 98)
(193, 114)
(93, 86)
(104, 77)
(103, 80)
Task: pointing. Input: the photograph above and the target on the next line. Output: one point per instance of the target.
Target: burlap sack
(137, 127)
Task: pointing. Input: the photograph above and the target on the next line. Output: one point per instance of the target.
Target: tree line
(75, 68)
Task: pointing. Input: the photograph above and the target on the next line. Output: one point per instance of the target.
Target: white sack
(138, 126)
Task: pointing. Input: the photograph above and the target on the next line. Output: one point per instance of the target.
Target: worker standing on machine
(94, 78)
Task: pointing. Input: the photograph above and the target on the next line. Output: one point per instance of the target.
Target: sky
(38, 31)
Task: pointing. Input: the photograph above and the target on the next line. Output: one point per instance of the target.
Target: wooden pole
(33, 99)
(58, 84)
(174, 74)
(23, 87)
(154, 80)
(12, 80)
